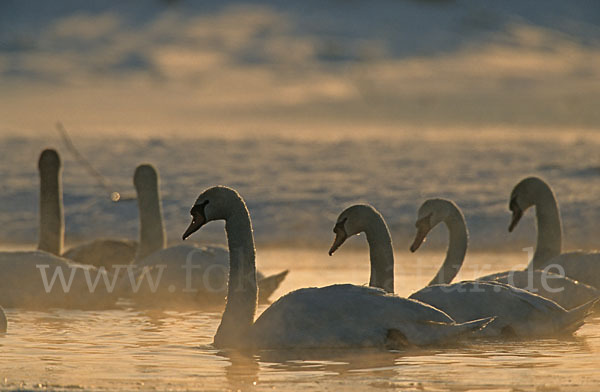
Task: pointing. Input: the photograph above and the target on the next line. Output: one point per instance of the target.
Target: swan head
(216, 203)
(49, 160)
(351, 221)
(523, 196)
(431, 213)
(145, 175)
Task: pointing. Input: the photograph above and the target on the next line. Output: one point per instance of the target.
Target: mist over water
(296, 188)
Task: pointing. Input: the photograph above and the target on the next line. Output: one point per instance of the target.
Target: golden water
(132, 349)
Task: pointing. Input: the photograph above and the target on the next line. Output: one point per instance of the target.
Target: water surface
(129, 349)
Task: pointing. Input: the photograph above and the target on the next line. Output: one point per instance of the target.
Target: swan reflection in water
(242, 371)
(392, 369)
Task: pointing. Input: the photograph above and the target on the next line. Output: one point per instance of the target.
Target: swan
(3, 321)
(562, 290)
(581, 266)
(517, 312)
(189, 275)
(100, 252)
(208, 264)
(334, 316)
(365, 218)
(109, 252)
(31, 278)
(520, 312)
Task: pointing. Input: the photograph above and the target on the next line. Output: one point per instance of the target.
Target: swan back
(347, 316)
(518, 312)
(583, 267)
(566, 292)
(51, 206)
(190, 276)
(40, 280)
(103, 252)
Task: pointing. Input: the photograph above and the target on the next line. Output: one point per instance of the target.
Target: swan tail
(575, 317)
(269, 284)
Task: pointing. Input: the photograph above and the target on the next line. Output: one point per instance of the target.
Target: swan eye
(198, 209)
(340, 225)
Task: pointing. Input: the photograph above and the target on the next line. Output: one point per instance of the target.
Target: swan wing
(103, 252)
(583, 267)
(191, 276)
(565, 291)
(350, 316)
(41, 280)
(518, 311)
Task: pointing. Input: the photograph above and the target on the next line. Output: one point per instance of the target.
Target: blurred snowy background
(305, 107)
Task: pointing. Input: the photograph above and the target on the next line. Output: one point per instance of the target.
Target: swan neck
(242, 292)
(152, 232)
(549, 231)
(381, 253)
(457, 249)
(52, 228)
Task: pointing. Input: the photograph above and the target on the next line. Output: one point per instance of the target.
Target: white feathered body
(583, 267)
(352, 316)
(565, 291)
(518, 312)
(191, 276)
(104, 252)
(22, 284)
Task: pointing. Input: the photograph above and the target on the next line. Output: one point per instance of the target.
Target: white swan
(3, 321)
(109, 252)
(100, 252)
(581, 266)
(333, 316)
(518, 312)
(562, 290)
(189, 275)
(364, 218)
(30, 279)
